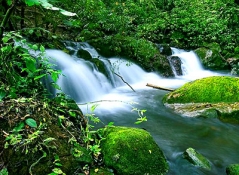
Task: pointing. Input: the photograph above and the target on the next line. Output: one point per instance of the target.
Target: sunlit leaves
(47, 5)
(32, 2)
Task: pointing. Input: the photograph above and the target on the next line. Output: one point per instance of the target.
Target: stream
(217, 141)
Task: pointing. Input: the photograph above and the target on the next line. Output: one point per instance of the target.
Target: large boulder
(211, 57)
(207, 97)
(211, 89)
(132, 151)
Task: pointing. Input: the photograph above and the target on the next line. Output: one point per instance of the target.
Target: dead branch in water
(158, 87)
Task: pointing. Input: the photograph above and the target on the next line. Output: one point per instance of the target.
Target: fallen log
(158, 87)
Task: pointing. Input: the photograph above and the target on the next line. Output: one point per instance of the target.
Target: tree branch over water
(124, 81)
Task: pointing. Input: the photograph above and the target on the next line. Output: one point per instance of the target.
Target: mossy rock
(143, 52)
(208, 97)
(211, 57)
(196, 158)
(132, 151)
(233, 169)
(101, 66)
(211, 89)
(81, 53)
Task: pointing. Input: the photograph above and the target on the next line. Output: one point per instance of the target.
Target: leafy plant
(4, 171)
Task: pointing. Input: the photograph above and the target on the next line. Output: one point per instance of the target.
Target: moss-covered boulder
(81, 53)
(196, 158)
(211, 57)
(233, 169)
(141, 51)
(132, 151)
(211, 89)
(208, 97)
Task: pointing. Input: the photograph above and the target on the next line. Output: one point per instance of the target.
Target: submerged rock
(132, 151)
(196, 158)
(233, 169)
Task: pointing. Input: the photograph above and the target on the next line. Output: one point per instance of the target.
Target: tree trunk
(6, 19)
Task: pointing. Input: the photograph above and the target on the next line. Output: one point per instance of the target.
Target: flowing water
(217, 141)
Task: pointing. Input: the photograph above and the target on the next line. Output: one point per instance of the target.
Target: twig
(124, 81)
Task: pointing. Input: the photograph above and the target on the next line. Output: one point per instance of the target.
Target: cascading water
(191, 66)
(173, 133)
(79, 78)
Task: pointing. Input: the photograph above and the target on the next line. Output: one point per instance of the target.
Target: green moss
(233, 169)
(141, 51)
(210, 89)
(132, 151)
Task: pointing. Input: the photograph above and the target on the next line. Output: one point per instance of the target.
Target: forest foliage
(126, 28)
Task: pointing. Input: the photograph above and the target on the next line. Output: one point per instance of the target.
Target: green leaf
(42, 48)
(92, 109)
(34, 47)
(110, 124)
(73, 114)
(30, 63)
(5, 39)
(31, 122)
(40, 76)
(54, 76)
(2, 94)
(58, 164)
(4, 171)
(9, 2)
(57, 170)
(18, 127)
(32, 2)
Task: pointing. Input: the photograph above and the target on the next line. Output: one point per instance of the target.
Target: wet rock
(175, 62)
(165, 49)
(132, 151)
(196, 158)
(84, 54)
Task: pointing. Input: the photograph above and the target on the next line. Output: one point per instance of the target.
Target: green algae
(211, 89)
(132, 151)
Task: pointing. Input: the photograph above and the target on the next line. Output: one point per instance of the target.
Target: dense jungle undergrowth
(122, 28)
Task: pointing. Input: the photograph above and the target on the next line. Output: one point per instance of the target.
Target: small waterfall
(191, 66)
(80, 79)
